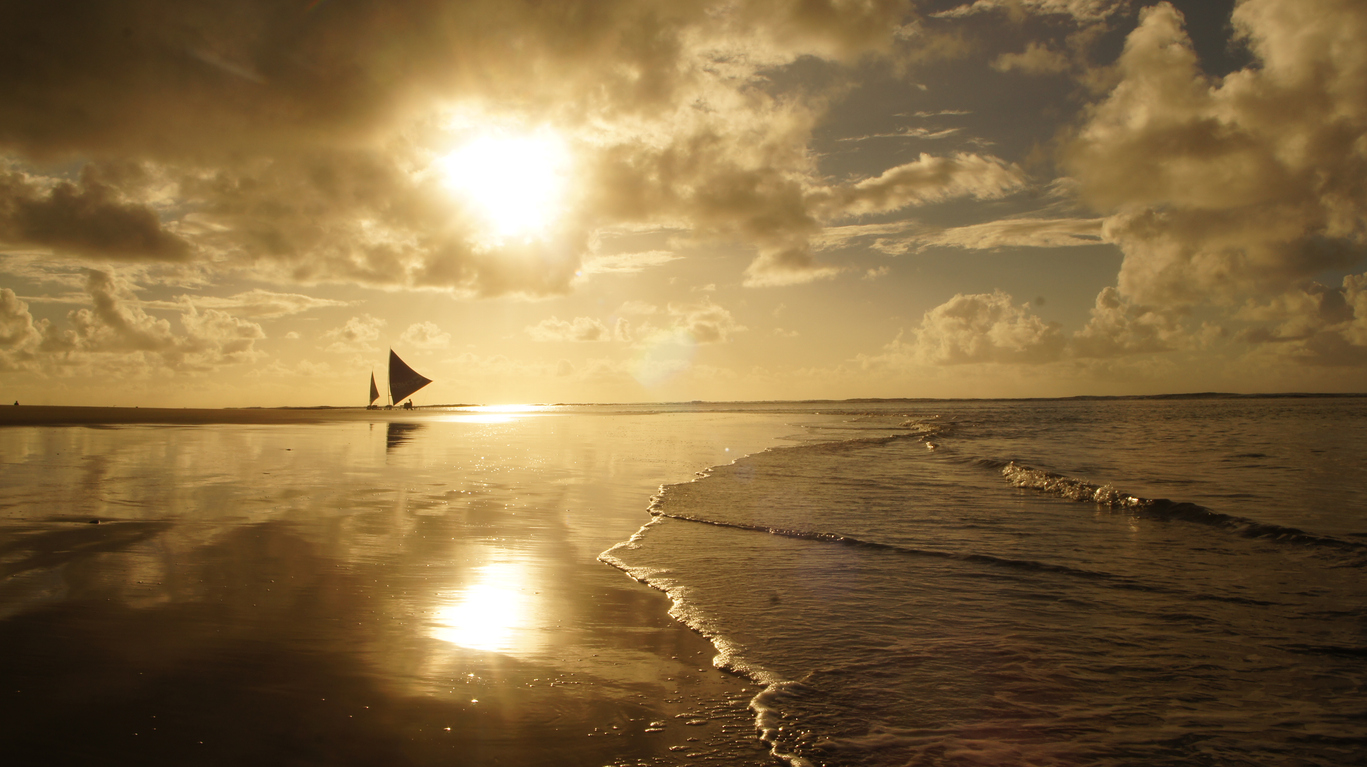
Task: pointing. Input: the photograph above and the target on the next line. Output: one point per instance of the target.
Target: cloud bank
(1222, 189)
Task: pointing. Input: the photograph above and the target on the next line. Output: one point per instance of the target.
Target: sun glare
(493, 614)
(516, 182)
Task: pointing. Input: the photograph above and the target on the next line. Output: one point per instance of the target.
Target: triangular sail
(374, 390)
(403, 380)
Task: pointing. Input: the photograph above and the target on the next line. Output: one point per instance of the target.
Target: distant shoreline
(75, 415)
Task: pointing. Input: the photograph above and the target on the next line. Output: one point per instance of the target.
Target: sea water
(1089, 582)
(1078, 582)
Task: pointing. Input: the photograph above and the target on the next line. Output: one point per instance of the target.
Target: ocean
(1041, 582)
(1077, 582)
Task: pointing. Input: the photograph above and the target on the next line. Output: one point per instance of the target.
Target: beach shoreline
(72, 415)
(250, 592)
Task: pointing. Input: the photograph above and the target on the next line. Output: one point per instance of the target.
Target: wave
(1072, 488)
(1109, 579)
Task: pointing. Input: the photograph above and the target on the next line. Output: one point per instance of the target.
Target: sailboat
(403, 381)
(374, 392)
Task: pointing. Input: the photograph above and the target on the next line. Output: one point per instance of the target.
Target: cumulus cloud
(579, 329)
(704, 323)
(1314, 324)
(425, 335)
(685, 323)
(1118, 328)
(18, 335)
(115, 323)
(356, 335)
(1237, 187)
(992, 328)
(982, 327)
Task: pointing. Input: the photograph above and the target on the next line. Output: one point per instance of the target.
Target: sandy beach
(351, 587)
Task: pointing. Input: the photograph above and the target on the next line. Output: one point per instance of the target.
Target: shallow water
(905, 602)
(424, 591)
(894, 582)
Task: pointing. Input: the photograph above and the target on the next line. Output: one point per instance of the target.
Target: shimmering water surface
(1114, 582)
(423, 591)
(940, 585)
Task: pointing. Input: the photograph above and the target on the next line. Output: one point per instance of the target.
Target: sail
(374, 391)
(403, 380)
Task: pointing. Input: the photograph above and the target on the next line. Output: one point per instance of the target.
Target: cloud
(981, 327)
(1218, 190)
(1081, 10)
(116, 324)
(928, 179)
(88, 218)
(301, 146)
(637, 308)
(425, 335)
(580, 329)
(1313, 324)
(787, 258)
(18, 335)
(917, 133)
(687, 324)
(627, 263)
(264, 304)
(1118, 328)
(1036, 59)
(704, 323)
(788, 263)
(356, 335)
(1014, 233)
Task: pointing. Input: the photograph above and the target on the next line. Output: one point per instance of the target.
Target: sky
(211, 204)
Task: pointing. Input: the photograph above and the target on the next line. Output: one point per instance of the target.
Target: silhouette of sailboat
(374, 392)
(403, 380)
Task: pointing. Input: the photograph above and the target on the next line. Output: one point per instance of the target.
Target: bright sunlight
(516, 182)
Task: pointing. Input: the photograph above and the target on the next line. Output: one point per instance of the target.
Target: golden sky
(249, 203)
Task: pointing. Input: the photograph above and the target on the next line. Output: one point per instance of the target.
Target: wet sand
(351, 587)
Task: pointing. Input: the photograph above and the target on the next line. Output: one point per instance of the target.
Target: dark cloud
(295, 140)
(185, 78)
(88, 217)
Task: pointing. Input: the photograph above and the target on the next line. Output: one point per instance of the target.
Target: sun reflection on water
(497, 413)
(493, 614)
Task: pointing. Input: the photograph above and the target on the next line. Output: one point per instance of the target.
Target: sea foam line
(1072, 488)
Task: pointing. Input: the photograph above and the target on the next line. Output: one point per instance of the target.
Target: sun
(516, 182)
